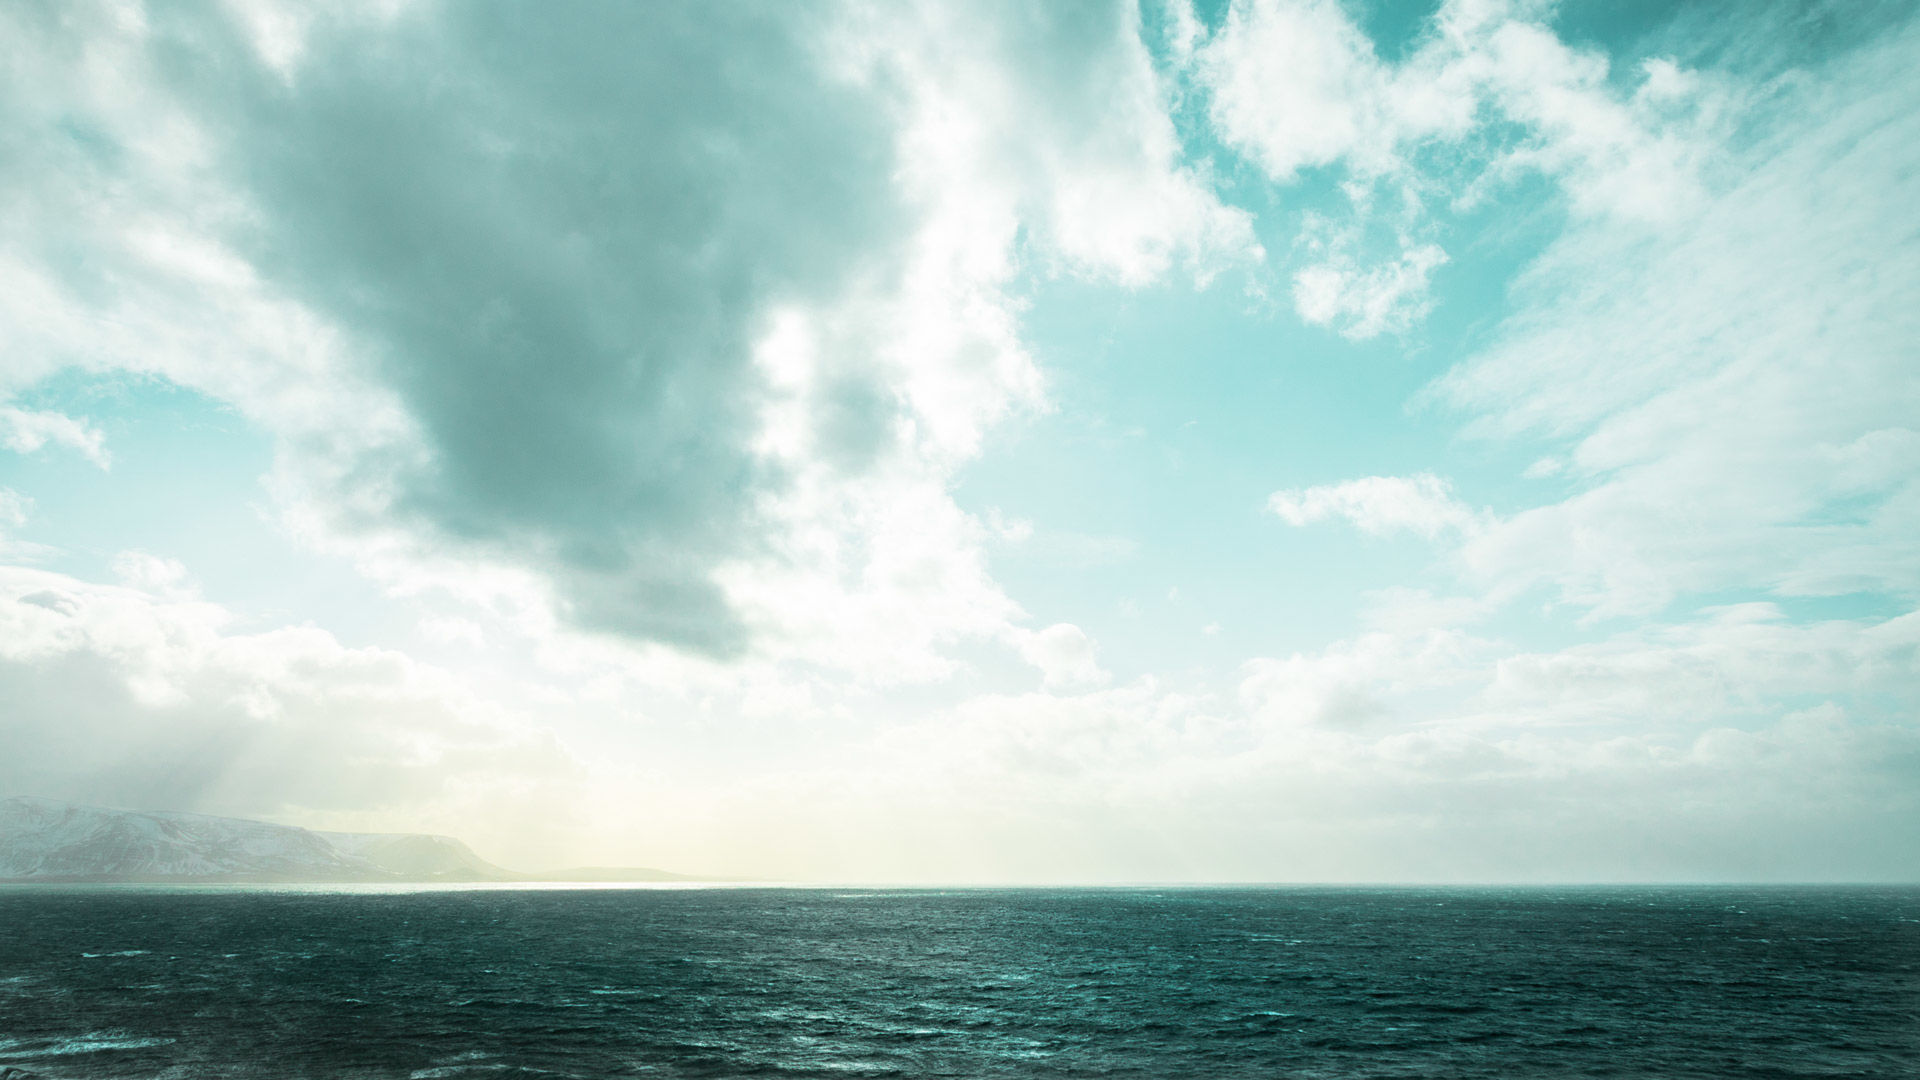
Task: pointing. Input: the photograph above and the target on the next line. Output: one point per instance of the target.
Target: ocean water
(1171, 983)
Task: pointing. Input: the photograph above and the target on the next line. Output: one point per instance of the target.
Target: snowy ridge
(416, 855)
(49, 840)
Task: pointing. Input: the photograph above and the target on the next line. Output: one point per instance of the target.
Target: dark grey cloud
(547, 238)
(555, 229)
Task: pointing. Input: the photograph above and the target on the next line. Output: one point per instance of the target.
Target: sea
(1329, 983)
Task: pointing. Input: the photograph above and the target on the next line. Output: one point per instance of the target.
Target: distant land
(46, 840)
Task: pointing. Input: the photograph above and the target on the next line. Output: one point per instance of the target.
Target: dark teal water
(1331, 983)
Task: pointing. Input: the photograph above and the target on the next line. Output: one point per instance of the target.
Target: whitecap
(91, 1043)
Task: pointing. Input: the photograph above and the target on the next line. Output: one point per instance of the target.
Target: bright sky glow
(1262, 440)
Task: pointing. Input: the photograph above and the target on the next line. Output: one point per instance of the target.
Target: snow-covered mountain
(47, 840)
(417, 856)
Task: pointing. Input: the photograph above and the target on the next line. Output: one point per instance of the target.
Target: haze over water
(1333, 983)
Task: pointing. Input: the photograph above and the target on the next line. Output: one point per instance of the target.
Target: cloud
(136, 697)
(669, 328)
(15, 509)
(1292, 84)
(1738, 745)
(1731, 665)
(26, 431)
(1731, 395)
(1295, 84)
(1380, 505)
(1488, 94)
(153, 574)
(652, 416)
(450, 630)
(1065, 656)
(560, 281)
(1404, 610)
(1054, 118)
(1365, 303)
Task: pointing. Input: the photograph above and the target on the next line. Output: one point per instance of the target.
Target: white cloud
(1054, 119)
(13, 508)
(26, 431)
(1404, 610)
(1008, 530)
(135, 697)
(1184, 31)
(1296, 84)
(1768, 712)
(1364, 303)
(1065, 656)
(153, 574)
(1380, 505)
(1733, 395)
(1489, 93)
(1684, 752)
(1349, 684)
(452, 630)
(880, 573)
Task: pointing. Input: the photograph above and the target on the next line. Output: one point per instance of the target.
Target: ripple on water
(1198, 984)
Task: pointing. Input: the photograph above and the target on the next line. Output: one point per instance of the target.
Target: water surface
(1309, 983)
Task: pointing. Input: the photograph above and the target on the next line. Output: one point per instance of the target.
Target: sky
(1183, 440)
